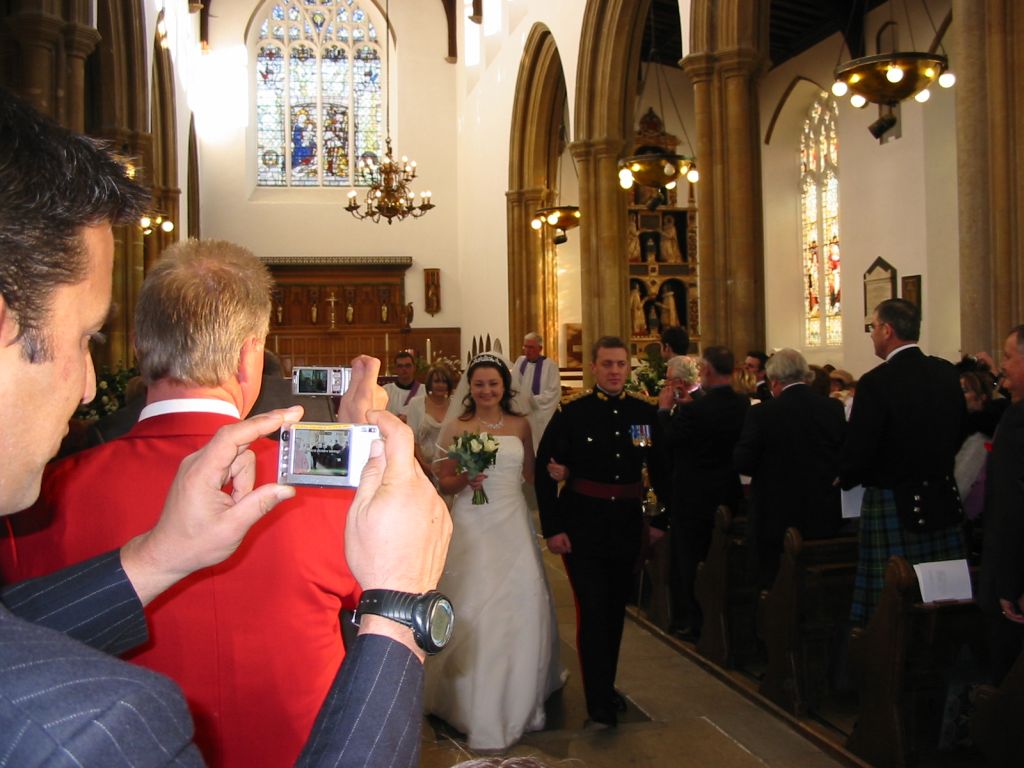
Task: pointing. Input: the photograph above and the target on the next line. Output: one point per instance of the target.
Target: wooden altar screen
(328, 310)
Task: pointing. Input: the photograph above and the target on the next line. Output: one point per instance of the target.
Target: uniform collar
(602, 395)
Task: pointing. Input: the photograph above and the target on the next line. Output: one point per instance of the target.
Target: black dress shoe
(619, 702)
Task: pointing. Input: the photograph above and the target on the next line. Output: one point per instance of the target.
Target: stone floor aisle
(679, 714)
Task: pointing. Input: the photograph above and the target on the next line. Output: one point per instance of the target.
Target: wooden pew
(726, 592)
(999, 717)
(801, 617)
(898, 662)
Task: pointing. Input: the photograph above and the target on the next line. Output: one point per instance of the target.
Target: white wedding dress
(502, 661)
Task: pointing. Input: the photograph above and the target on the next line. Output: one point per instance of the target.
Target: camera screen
(313, 381)
(320, 452)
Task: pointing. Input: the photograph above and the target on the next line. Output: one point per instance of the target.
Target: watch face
(442, 621)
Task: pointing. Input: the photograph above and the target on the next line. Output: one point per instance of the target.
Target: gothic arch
(538, 115)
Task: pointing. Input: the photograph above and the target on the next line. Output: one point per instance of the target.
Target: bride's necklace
(496, 425)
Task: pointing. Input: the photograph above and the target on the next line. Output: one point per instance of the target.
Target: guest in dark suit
(1001, 591)
(907, 423)
(65, 704)
(790, 448)
(701, 436)
(754, 364)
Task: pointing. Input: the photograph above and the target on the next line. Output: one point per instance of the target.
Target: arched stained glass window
(319, 94)
(819, 226)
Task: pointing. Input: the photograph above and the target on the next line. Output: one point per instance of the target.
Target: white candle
(429, 358)
(386, 349)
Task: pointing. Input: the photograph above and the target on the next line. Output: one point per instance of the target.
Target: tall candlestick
(387, 352)
(429, 358)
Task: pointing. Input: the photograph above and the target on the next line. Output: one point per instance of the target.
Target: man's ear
(250, 360)
(8, 325)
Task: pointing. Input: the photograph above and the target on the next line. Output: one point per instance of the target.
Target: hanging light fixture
(389, 195)
(151, 221)
(889, 78)
(653, 166)
(558, 217)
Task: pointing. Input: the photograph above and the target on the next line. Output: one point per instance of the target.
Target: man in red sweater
(254, 642)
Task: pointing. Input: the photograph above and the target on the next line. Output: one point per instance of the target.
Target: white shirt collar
(190, 405)
(900, 349)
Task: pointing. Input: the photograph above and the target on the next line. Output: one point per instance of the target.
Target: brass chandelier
(389, 196)
(889, 78)
(657, 167)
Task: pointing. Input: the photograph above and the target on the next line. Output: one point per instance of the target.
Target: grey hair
(682, 367)
(534, 336)
(787, 366)
(197, 308)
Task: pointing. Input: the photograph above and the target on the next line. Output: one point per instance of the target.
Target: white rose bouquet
(474, 453)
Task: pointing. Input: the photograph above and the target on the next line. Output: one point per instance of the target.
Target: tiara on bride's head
(487, 357)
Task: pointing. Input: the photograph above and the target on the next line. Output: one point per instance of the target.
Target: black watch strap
(389, 603)
(429, 615)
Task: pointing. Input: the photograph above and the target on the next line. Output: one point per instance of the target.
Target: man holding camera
(68, 704)
(256, 642)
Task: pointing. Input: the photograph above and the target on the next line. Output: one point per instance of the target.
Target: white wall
(897, 200)
(312, 222)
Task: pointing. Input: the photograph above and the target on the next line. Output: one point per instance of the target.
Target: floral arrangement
(111, 395)
(649, 377)
(474, 453)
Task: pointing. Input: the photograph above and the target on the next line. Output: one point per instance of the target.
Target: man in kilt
(907, 423)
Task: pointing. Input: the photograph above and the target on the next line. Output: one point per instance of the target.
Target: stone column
(80, 40)
(744, 232)
(603, 267)
(729, 228)
(990, 139)
(700, 69)
(533, 294)
(35, 68)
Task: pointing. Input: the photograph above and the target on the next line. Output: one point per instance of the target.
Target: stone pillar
(990, 139)
(729, 230)
(603, 265)
(80, 41)
(700, 69)
(533, 288)
(35, 67)
(744, 232)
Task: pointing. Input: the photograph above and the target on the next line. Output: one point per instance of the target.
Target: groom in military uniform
(595, 443)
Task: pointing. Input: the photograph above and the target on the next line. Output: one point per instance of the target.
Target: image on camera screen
(320, 452)
(313, 381)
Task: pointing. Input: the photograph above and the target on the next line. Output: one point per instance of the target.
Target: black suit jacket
(701, 436)
(65, 704)
(790, 448)
(907, 423)
(1002, 562)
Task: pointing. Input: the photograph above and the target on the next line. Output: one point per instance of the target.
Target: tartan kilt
(881, 537)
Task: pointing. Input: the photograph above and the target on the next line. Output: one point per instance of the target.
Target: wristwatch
(430, 615)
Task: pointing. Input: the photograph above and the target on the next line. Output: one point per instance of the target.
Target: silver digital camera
(321, 454)
(316, 380)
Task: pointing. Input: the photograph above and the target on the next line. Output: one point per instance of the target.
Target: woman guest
(502, 662)
(426, 414)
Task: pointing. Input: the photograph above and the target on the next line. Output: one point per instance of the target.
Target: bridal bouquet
(474, 453)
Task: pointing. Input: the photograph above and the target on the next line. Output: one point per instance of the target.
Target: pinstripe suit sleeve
(372, 714)
(92, 602)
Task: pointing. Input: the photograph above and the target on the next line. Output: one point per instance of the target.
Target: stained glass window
(819, 226)
(319, 93)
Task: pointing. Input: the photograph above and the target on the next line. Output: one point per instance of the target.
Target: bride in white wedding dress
(502, 661)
